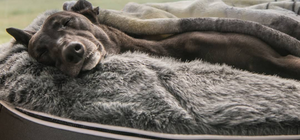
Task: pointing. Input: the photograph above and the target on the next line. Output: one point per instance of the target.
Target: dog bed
(155, 94)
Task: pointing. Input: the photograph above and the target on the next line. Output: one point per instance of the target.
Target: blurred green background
(20, 13)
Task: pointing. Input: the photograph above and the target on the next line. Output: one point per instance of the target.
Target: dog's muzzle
(73, 53)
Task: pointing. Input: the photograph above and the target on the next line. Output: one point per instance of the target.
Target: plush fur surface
(154, 94)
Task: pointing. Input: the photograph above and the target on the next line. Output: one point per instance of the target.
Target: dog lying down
(74, 41)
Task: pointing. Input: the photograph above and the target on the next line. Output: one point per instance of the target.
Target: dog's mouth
(93, 58)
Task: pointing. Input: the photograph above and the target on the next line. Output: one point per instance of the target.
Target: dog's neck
(119, 42)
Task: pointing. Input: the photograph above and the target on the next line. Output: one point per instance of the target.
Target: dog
(74, 41)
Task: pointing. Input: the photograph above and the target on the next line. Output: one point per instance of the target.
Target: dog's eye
(67, 22)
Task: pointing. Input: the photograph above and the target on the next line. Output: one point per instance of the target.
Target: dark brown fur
(81, 36)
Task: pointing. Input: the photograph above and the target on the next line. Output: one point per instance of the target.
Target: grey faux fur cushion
(155, 94)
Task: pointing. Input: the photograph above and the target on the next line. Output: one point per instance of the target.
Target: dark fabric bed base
(18, 123)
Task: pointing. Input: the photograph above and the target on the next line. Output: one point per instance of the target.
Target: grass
(20, 13)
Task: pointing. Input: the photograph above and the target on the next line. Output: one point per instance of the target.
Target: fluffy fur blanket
(161, 94)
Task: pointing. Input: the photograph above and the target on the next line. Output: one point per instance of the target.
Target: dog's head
(68, 40)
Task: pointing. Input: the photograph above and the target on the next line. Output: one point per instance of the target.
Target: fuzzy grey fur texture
(154, 94)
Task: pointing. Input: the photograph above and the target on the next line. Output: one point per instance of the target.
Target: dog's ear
(96, 10)
(21, 36)
(91, 14)
(85, 8)
(82, 5)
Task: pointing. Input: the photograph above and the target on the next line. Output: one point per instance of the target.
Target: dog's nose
(73, 53)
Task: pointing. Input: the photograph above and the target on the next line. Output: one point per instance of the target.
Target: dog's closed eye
(66, 22)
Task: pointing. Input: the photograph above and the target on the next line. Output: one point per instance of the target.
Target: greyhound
(74, 41)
